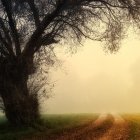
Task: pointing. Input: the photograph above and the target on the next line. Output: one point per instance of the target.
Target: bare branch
(6, 45)
(34, 11)
(6, 32)
(30, 46)
(8, 8)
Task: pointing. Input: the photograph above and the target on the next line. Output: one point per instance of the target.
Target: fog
(93, 81)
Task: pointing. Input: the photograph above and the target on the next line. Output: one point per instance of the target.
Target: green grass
(9, 132)
(134, 125)
(51, 124)
(64, 121)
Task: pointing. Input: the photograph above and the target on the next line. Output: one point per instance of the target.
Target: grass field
(51, 124)
(134, 125)
(71, 124)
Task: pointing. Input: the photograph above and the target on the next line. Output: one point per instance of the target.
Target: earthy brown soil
(106, 127)
(118, 131)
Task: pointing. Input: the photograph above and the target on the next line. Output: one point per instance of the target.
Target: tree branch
(8, 8)
(34, 11)
(36, 36)
(6, 32)
(3, 51)
(6, 45)
(45, 40)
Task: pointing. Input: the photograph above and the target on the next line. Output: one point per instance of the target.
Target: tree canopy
(28, 25)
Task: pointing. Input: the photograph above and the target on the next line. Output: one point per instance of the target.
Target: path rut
(118, 131)
(106, 127)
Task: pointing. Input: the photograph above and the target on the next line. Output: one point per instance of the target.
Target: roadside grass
(134, 125)
(10, 132)
(51, 124)
(67, 120)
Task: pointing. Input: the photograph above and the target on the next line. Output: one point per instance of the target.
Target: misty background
(92, 81)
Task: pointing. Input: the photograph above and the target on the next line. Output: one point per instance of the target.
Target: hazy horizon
(94, 81)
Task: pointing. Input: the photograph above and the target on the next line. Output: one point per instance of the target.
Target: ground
(79, 127)
(106, 127)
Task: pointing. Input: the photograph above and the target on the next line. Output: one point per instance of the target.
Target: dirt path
(92, 131)
(106, 127)
(118, 131)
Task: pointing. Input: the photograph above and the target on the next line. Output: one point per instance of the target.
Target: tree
(29, 26)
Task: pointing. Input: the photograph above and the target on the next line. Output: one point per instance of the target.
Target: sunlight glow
(95, 81)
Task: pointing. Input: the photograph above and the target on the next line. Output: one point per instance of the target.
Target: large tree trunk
(21, 110)
(20, 106)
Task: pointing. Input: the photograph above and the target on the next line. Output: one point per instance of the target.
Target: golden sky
(94, 81)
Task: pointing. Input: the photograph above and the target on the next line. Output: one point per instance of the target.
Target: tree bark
(20, 106)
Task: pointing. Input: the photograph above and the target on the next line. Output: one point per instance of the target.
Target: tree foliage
(28, 25)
